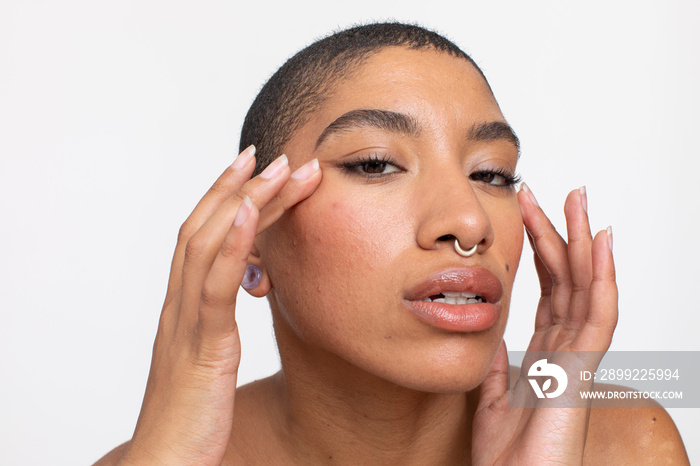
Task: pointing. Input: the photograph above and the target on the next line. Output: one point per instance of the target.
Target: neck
(330, 408)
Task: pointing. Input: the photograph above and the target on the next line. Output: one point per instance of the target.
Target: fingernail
(243, 212)
(305, 171)
(244, 157)
(275, 167)
(584, 198)
(609, 234)
(526, 188)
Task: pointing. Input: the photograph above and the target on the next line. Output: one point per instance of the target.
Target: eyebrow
(401, 123)
(385, 120)
(494, 131)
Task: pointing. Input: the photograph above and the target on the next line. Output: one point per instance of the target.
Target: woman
(387, 241)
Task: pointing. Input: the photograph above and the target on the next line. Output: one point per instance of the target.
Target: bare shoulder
(113, 456)
(629, 432)
(256, 421)
(638, 432)
(252, 436)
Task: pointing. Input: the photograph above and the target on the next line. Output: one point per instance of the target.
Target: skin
(364, 381)
(384, 233)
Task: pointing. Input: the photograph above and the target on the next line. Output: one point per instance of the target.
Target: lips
(457, 300)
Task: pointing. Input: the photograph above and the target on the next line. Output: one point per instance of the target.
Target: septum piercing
(464, 253)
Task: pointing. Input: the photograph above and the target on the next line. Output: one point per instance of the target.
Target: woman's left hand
(577, 312)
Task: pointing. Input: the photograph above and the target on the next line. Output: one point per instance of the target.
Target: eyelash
(508, 179)
(354, 168)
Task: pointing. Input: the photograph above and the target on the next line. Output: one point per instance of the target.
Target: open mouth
(449, 297)
(458, 299)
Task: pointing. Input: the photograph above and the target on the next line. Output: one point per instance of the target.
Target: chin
(457, 365)
(447, 384)
(404, 353)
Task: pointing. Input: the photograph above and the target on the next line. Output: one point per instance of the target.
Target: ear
(264, 286)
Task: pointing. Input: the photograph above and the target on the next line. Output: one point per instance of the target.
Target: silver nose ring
(464, 253)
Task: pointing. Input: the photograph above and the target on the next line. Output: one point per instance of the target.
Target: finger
(218, 298)
(495, 385)
(551, 248)
(229, 182)
(302, 183)
(596, 331)
(273, 202)
(543, 317)
(202, 248)
(275, 185)
(580, 262)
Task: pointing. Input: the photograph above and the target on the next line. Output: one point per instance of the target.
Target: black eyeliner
(352, 168)
(510, 180)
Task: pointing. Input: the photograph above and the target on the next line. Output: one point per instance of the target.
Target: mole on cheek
(507, 268)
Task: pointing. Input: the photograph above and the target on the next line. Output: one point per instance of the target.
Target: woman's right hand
(187, 411)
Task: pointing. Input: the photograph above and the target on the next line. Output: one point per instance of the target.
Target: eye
(376, 167)
(371, 167)
(499, 178)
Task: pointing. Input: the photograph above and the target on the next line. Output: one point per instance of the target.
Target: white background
(115, 117)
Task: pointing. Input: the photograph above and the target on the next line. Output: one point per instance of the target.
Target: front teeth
(456, 298)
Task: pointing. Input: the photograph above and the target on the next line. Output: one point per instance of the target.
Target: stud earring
(252, 277)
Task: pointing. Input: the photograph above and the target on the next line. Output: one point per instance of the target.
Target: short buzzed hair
(301, 85)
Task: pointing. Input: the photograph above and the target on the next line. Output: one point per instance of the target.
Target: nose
(450, 209)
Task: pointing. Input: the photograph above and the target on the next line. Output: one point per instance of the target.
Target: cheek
(340, 236)
(326, 257)
(508, 239)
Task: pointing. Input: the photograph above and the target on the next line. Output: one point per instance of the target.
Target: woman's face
(427, 160)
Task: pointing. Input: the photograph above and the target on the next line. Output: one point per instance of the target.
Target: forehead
(437, 89)
(401, 76)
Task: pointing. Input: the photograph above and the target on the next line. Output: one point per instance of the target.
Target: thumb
(495, 385)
